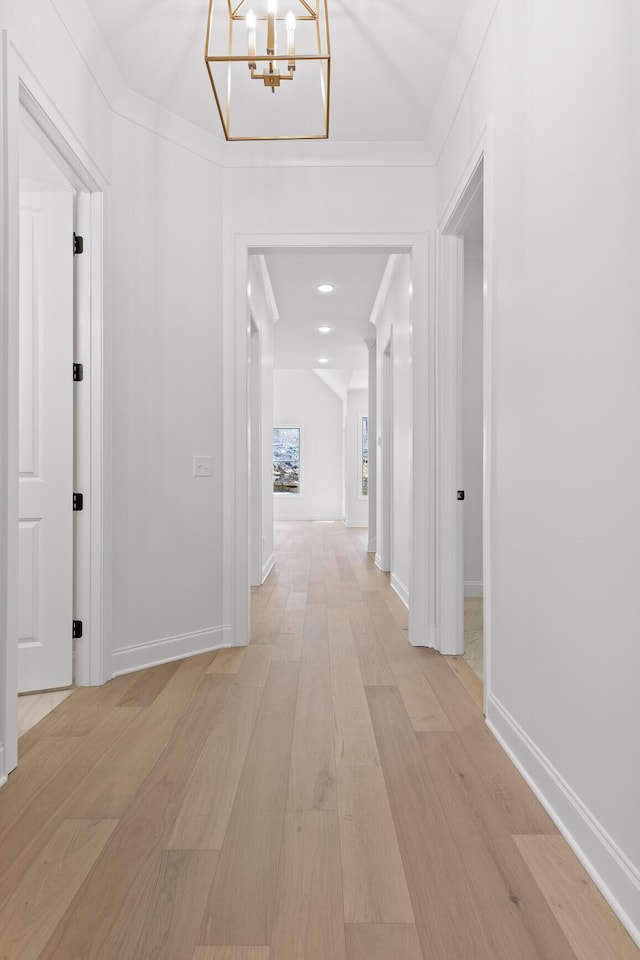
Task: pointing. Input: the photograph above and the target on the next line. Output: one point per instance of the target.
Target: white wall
(393, 322)
(357, 506)
(471, 479)
(301, 399)
(559, 85)
(167, 399)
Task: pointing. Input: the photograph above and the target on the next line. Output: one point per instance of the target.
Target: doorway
(384, 558)
(464, 449)
(61, 188)
(45, 422)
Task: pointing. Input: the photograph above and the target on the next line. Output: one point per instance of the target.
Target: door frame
(384, 554)
(22, 99)
(478, 175)
(237, 249)
(254, 385)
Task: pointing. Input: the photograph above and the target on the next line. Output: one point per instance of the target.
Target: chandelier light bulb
(272, 6)
(291, 20)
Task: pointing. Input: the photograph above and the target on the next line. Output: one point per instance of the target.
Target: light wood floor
(328, 793)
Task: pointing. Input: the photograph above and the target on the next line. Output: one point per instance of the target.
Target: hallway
(328, 793)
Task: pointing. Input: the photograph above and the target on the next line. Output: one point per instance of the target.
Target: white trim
(237, 249)
(385, 286)
(268, 566)
(613, 873)
(378, 562)
(371, 545)
(267, 288)
(139, 656)
(449, 295)
(400, 588)
(473, 588)
(362, 524)
(462, 63)
(22, 91)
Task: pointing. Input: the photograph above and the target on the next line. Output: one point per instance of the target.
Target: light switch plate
(202, 466)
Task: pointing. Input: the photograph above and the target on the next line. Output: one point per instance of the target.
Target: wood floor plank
(40, 766)
(27, 833)
(175, 905)
(148, 684)
(228, 661)
(203, 818)
(242, 901)
(457, 703)
(457, 770)
(375, 941)
(522, 926)
(425, 710)
(312, 774)
(100, 927)
(31, 914)
(591, 927)
(125, 767)
(231, 953)
(373, 662)
(373, 879)
(80, 714)
(309, 915)
(510, 796)
(469, 680)
(341, 643)
(354, 736)
(449, 919)
(254, 669)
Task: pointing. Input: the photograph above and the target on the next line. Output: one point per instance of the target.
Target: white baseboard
(473, 588)
(154, 652)
(400, 588)
(268, 566)
(613, 873)
(371, 546)
(356, 523)
(378, 563)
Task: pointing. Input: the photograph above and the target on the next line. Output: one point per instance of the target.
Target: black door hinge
(78, 372)
(77, 630)
(78, 245)
(460, 494)
(78, 501)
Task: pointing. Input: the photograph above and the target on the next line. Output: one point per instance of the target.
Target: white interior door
(45, 440)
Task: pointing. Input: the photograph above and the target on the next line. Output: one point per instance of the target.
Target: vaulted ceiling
(389, 58)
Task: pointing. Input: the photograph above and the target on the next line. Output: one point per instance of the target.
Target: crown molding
(471, 38)
(90, 44)
(150, 115)
(327, 153)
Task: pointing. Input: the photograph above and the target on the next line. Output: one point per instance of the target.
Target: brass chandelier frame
(271, 77)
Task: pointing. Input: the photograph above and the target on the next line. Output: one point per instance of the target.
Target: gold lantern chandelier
(270, 71)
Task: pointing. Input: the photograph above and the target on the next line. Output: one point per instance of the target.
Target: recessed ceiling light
(322, 360)
(324, 329)
(325, 287)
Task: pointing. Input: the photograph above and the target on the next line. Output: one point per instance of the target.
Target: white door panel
(46, 440)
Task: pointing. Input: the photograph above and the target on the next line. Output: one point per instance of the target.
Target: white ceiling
(295, 276)
(388, 60)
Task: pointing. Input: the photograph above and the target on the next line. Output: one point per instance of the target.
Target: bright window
(364, 457)
(286, 459)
